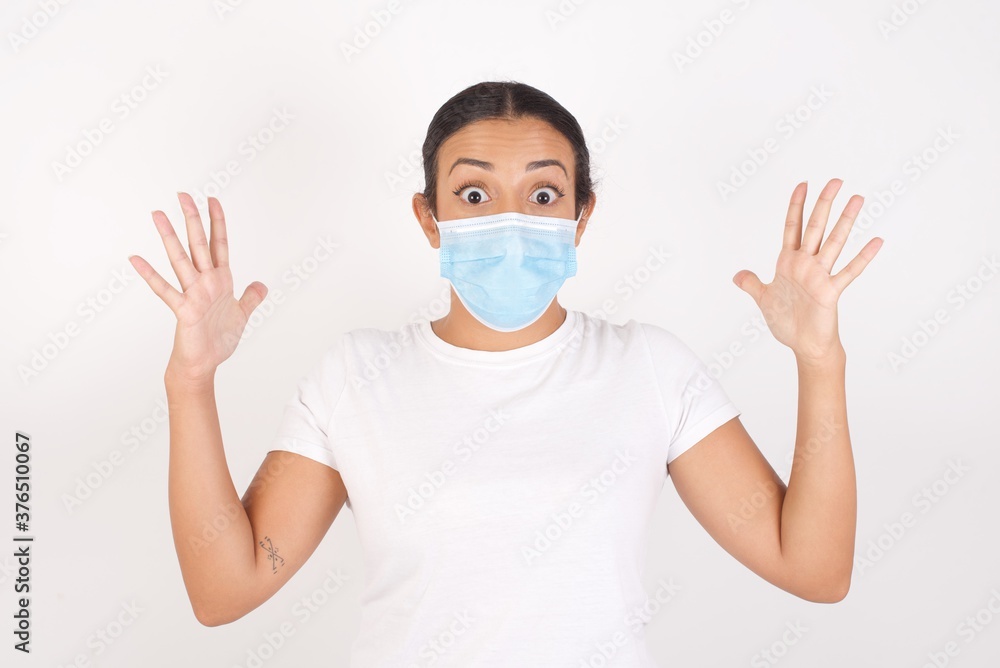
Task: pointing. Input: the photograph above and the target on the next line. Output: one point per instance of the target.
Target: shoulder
(361, 345)
(352, 354)
(659, 340)
(668, 352)
(664, 341)
(599, 329)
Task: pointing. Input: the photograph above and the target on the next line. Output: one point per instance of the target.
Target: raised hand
(210, 320)
(800, 304)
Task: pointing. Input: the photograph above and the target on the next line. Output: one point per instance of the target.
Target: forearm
(211, 529)
(819, 510)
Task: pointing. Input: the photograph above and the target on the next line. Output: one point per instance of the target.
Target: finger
(201, 256)
(168, 293)
(854, 268)
(220, 242)
(793, 221)
(252, 297)
(181, 263)
(834, 243)
(748, 282)
(820, 214)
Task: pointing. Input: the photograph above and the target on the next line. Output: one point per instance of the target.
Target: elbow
(211, 620)
(207, 619)
(219, 606)
(833, 595)
(840, 592)
(828, 590)
(212, 616)
(828, 584)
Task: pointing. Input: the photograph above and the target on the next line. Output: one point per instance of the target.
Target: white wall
(894, 76)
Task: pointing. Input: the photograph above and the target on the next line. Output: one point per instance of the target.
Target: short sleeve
(305, 423)
(695, 403)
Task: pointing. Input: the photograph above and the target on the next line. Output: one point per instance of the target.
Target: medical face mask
(507, 267)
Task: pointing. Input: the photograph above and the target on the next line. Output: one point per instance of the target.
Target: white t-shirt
(502, 499)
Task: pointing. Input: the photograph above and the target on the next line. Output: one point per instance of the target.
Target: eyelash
(479, 184)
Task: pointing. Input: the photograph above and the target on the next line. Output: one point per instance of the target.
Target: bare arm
(233, 554)
(211, 529)
(799, 538)
(820, 508)
(802, 537)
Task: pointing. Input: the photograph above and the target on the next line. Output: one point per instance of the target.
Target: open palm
(800, 304)
(210, 320)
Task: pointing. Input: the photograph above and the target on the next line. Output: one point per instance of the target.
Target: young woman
(502, 462)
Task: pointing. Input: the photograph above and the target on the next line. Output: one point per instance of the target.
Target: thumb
(252, 297)
(748, 282)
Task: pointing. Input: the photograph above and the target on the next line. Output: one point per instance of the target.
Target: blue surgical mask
(507, 267)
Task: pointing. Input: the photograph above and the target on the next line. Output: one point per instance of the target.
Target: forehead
(515, 142)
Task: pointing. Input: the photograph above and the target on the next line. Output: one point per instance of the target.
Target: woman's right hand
(210, 320)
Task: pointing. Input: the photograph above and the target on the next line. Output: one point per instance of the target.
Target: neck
(460, 328)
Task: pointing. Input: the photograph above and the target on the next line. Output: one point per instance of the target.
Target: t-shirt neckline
(500, 357)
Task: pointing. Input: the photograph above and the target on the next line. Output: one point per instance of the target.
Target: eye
(547, 194)
(476, 194)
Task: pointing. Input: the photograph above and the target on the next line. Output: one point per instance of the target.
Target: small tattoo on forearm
(272, 554)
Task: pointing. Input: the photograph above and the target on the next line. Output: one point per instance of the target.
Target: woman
(502, 462)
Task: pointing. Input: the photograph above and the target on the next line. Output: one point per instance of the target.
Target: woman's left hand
(800, 304)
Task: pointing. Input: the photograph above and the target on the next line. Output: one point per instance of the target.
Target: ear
(422, 211)
(584, 217)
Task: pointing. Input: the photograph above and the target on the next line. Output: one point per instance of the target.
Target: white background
(896, 76)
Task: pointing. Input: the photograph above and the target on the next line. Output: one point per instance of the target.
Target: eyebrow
(488, 166)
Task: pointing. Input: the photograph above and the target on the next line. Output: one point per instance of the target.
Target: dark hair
(505, 100)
